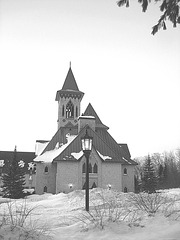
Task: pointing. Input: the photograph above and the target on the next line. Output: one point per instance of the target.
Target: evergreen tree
(13, 179)
(170, 11)
(160, 176)
(149, 180)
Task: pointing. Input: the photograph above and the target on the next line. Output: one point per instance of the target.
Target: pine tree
(13, 179)
(149, 181)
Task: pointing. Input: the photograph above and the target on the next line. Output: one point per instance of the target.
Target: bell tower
(69, 99)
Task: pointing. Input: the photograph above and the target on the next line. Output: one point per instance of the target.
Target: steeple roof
(70, 87)
(91, 112)
(70, 82)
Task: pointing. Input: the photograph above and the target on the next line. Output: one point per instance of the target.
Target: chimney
(86, 120)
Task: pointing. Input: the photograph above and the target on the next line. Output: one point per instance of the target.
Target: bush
(16, 220)
(106, 207)
(152, 203)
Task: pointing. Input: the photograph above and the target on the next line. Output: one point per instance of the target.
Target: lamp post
(87, 147)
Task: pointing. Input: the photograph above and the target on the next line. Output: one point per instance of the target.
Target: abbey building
(60, 163)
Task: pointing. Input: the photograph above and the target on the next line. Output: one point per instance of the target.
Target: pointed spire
(70, 82)
(70, 87)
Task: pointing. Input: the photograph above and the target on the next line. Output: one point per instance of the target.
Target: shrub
(16, 220)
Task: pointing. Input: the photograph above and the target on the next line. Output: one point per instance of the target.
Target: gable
(91, 112)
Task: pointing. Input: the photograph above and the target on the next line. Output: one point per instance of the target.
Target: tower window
(125, 171)
(69, 110)
(95, 168)
(76, 111)
(63, 111)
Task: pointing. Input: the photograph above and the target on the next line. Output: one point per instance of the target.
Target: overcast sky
(131, 78)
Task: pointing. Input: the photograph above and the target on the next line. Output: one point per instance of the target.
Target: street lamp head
(86, 142)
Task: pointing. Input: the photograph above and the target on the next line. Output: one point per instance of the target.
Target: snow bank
(60, 213)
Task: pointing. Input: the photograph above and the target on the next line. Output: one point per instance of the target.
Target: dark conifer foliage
(13, 179)
(149, 180)
(170, 11)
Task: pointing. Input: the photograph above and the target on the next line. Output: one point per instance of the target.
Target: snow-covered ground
(62, 216)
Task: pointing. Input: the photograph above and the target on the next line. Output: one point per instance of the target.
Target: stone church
(60, 163)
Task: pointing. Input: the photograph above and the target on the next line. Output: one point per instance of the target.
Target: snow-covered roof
(40, 146)
(104, 157)
(77, 155)
(86, 117)
(49, 156)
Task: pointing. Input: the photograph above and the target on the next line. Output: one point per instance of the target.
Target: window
(46, 169)
(84, 168)
(125, 190)
(69, 110)
(95, 168)
(125, 171)
(45, 189)
(63, 111)
(90, 168)
(84, 186)
(76, 111)
(94, 185)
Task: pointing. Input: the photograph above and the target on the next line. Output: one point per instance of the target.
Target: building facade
(60, 165)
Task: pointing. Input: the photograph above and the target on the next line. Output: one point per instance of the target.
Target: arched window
(76, 111)
(125, 171)
(125, 190)
(46, 169)
(83, 168)
(84, 186)
(90, 168)
(69, 110)
(95, 168)
(45, 189)
(63, 111)
(94, 185)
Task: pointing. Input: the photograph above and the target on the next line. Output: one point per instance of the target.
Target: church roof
(61, 149)
(91, 112)
(70, 87)
(105, 149)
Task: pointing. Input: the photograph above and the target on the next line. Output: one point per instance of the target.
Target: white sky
(130, 77)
